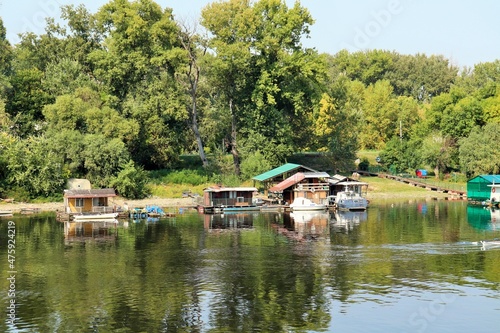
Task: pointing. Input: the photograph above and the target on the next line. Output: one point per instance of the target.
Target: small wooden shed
(220, 196)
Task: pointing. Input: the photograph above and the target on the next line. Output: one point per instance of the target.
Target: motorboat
(350, 200)
(95, 217)
(300, 204)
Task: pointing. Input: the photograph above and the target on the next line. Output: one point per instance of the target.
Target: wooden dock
(417, 183)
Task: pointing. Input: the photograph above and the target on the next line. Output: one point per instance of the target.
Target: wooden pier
(415, 182)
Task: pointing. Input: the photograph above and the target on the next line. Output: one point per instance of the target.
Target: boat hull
(95, 217)
(303, 204)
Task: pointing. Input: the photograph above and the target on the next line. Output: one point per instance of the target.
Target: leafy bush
(364, 165)
(131, 182)
(254, 165)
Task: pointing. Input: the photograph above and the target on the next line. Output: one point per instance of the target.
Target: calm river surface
(413, 266)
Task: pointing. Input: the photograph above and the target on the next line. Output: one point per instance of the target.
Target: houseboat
(218, 199)
(89, 204)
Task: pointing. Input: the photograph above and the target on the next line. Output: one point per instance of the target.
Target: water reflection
(229, 220)
(483, 218)
(105, 230)
(397, 266)
(347, 220)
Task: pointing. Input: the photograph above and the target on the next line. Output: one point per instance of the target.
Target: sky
(466, 32)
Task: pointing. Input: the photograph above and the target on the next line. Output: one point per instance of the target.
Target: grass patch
(175, 191)
(370, 155)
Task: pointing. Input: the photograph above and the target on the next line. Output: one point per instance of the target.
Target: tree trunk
(196, 131)
(193, 77)
(234, 147)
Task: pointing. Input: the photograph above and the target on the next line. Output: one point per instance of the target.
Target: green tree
(439, 152)
(336, 131)
(103, 159)
(34, 167)
(457, 122)
(267, 80)
(138, 64)
(131, 182)
(379, 116)
(479, 151)
(26, 100)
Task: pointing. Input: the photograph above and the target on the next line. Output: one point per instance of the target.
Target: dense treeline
(111, 94)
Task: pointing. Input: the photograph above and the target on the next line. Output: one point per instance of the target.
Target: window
(79, 202)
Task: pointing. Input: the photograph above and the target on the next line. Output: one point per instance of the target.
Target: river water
(413, 266)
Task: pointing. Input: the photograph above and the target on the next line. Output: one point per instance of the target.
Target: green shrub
(131, 182)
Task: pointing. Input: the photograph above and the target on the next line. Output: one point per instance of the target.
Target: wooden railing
(312, 187)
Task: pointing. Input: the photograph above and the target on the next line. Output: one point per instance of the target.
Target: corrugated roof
(494, 179)
(95, 193)
(290, 181)
(279, 170)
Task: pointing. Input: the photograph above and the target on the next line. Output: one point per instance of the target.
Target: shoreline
(17, 207)
(171, 203)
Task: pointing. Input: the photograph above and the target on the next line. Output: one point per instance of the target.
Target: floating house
(220, 198)
(484, 190)
(309, 185)
(88, 200)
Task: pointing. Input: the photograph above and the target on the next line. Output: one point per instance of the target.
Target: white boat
(306, 204)
(350, 200)
(95, 217)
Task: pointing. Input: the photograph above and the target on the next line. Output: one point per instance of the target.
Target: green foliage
(103, 158)
(479, 153)
(83, 100)
(131, 182)
(364, 165)
(34, 167)
(254, 165)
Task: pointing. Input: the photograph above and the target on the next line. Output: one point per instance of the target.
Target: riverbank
(379, 189)
(17, 207)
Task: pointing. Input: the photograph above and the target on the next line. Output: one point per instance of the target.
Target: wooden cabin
(310, 185)
(217, 197)
(88, 200)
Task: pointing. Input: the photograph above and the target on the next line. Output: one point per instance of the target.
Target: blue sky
(466, 32)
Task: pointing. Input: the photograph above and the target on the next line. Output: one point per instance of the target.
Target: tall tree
(190, 78)
(141, 55)
(230, 24)
(479, 151)
(267, 79)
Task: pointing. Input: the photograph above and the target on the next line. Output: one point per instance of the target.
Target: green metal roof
(279, 170)
(493, 179)
(479, 187)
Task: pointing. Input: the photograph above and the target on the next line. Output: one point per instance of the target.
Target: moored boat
(304, 204)
(350, 200)
(95, 217)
